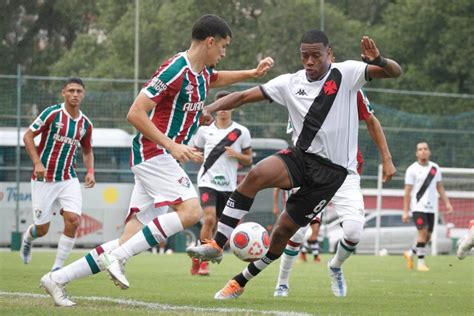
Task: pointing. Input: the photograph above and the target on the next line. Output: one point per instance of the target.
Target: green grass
(376, 285)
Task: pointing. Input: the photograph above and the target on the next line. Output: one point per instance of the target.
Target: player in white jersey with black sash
(225, 145)
(422, 183)
(322, 104)
(54, 184)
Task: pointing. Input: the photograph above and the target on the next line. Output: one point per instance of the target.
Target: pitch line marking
(157, 306)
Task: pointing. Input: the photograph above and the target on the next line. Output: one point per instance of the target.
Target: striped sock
(421, 252)
(255, 268)
(314, 246)
(85, 266)
(344, 250)
(237, 207)
(65, 245)
(152, 234)
(290, 254)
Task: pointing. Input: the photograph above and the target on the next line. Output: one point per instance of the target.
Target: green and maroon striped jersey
(60, 137)
(179, 94)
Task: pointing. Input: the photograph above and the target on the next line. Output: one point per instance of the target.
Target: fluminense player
(422, 180)
(225, 144)
(374, 127)
(54, 184)
(166, 114)
(322, 106)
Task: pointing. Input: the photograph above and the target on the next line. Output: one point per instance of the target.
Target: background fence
(451, 137)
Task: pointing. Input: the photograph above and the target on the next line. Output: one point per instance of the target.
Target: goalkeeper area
(381, 284)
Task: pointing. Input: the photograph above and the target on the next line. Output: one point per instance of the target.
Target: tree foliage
(431, 39)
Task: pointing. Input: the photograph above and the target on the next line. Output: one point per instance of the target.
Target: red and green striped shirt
(60, 137)
(179, 94)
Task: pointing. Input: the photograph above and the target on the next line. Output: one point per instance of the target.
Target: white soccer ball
(249, 241)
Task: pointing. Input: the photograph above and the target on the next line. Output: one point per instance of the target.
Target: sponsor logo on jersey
(65, 139)
(39, 122)
(184, 182)
(59, 125)
(189, 89)
(193, 106)
(82, 131)
(220, 180)
(301, 92)
(158, 85)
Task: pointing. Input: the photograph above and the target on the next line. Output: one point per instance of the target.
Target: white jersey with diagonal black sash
(331, 131)
(415, 176)
(219, 171)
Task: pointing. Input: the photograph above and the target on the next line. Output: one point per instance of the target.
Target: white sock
(30, 233)
(344, 251)
(85, 266)
(65, 245)
(290, 254)
(151, 235)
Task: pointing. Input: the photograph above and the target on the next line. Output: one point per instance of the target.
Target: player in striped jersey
(321, 100)
(166, 114)
(54, 184)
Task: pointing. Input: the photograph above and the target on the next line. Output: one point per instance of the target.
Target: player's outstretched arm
(378, 136)
(379, 66)
(228, 77)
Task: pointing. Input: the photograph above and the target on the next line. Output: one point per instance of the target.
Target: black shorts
(213, 198)
(424, 220)
(318, 179)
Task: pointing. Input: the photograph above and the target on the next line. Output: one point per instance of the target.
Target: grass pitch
(162, 284)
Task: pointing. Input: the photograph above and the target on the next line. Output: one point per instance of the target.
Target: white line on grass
(158, 306)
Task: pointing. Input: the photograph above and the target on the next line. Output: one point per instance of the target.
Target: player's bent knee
(352, 231)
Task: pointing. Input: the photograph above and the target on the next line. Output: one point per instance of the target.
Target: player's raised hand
(389, 170)
(89, 180)
(369, 51)
(39, 171)
(263, 66)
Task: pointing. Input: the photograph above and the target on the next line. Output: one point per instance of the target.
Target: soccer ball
(249, 241)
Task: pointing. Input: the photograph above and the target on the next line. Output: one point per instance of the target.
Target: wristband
(90, 170)
(378, 61)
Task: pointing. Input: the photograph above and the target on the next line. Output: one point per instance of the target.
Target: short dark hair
(221, 94)
(210, 25)
(74, 80)
(314, 36)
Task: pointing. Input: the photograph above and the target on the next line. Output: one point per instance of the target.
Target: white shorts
(159, 183)
(348, 201)
(48, 197)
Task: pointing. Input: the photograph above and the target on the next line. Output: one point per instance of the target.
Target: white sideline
(158, 306)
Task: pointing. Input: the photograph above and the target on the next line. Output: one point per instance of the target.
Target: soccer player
(374, 127)
(422, 180)
(166, 114)
(225, 145)
(467, 242)
(322, 106)
(54, 184)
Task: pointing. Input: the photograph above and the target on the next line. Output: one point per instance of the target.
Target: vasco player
(322, 105)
